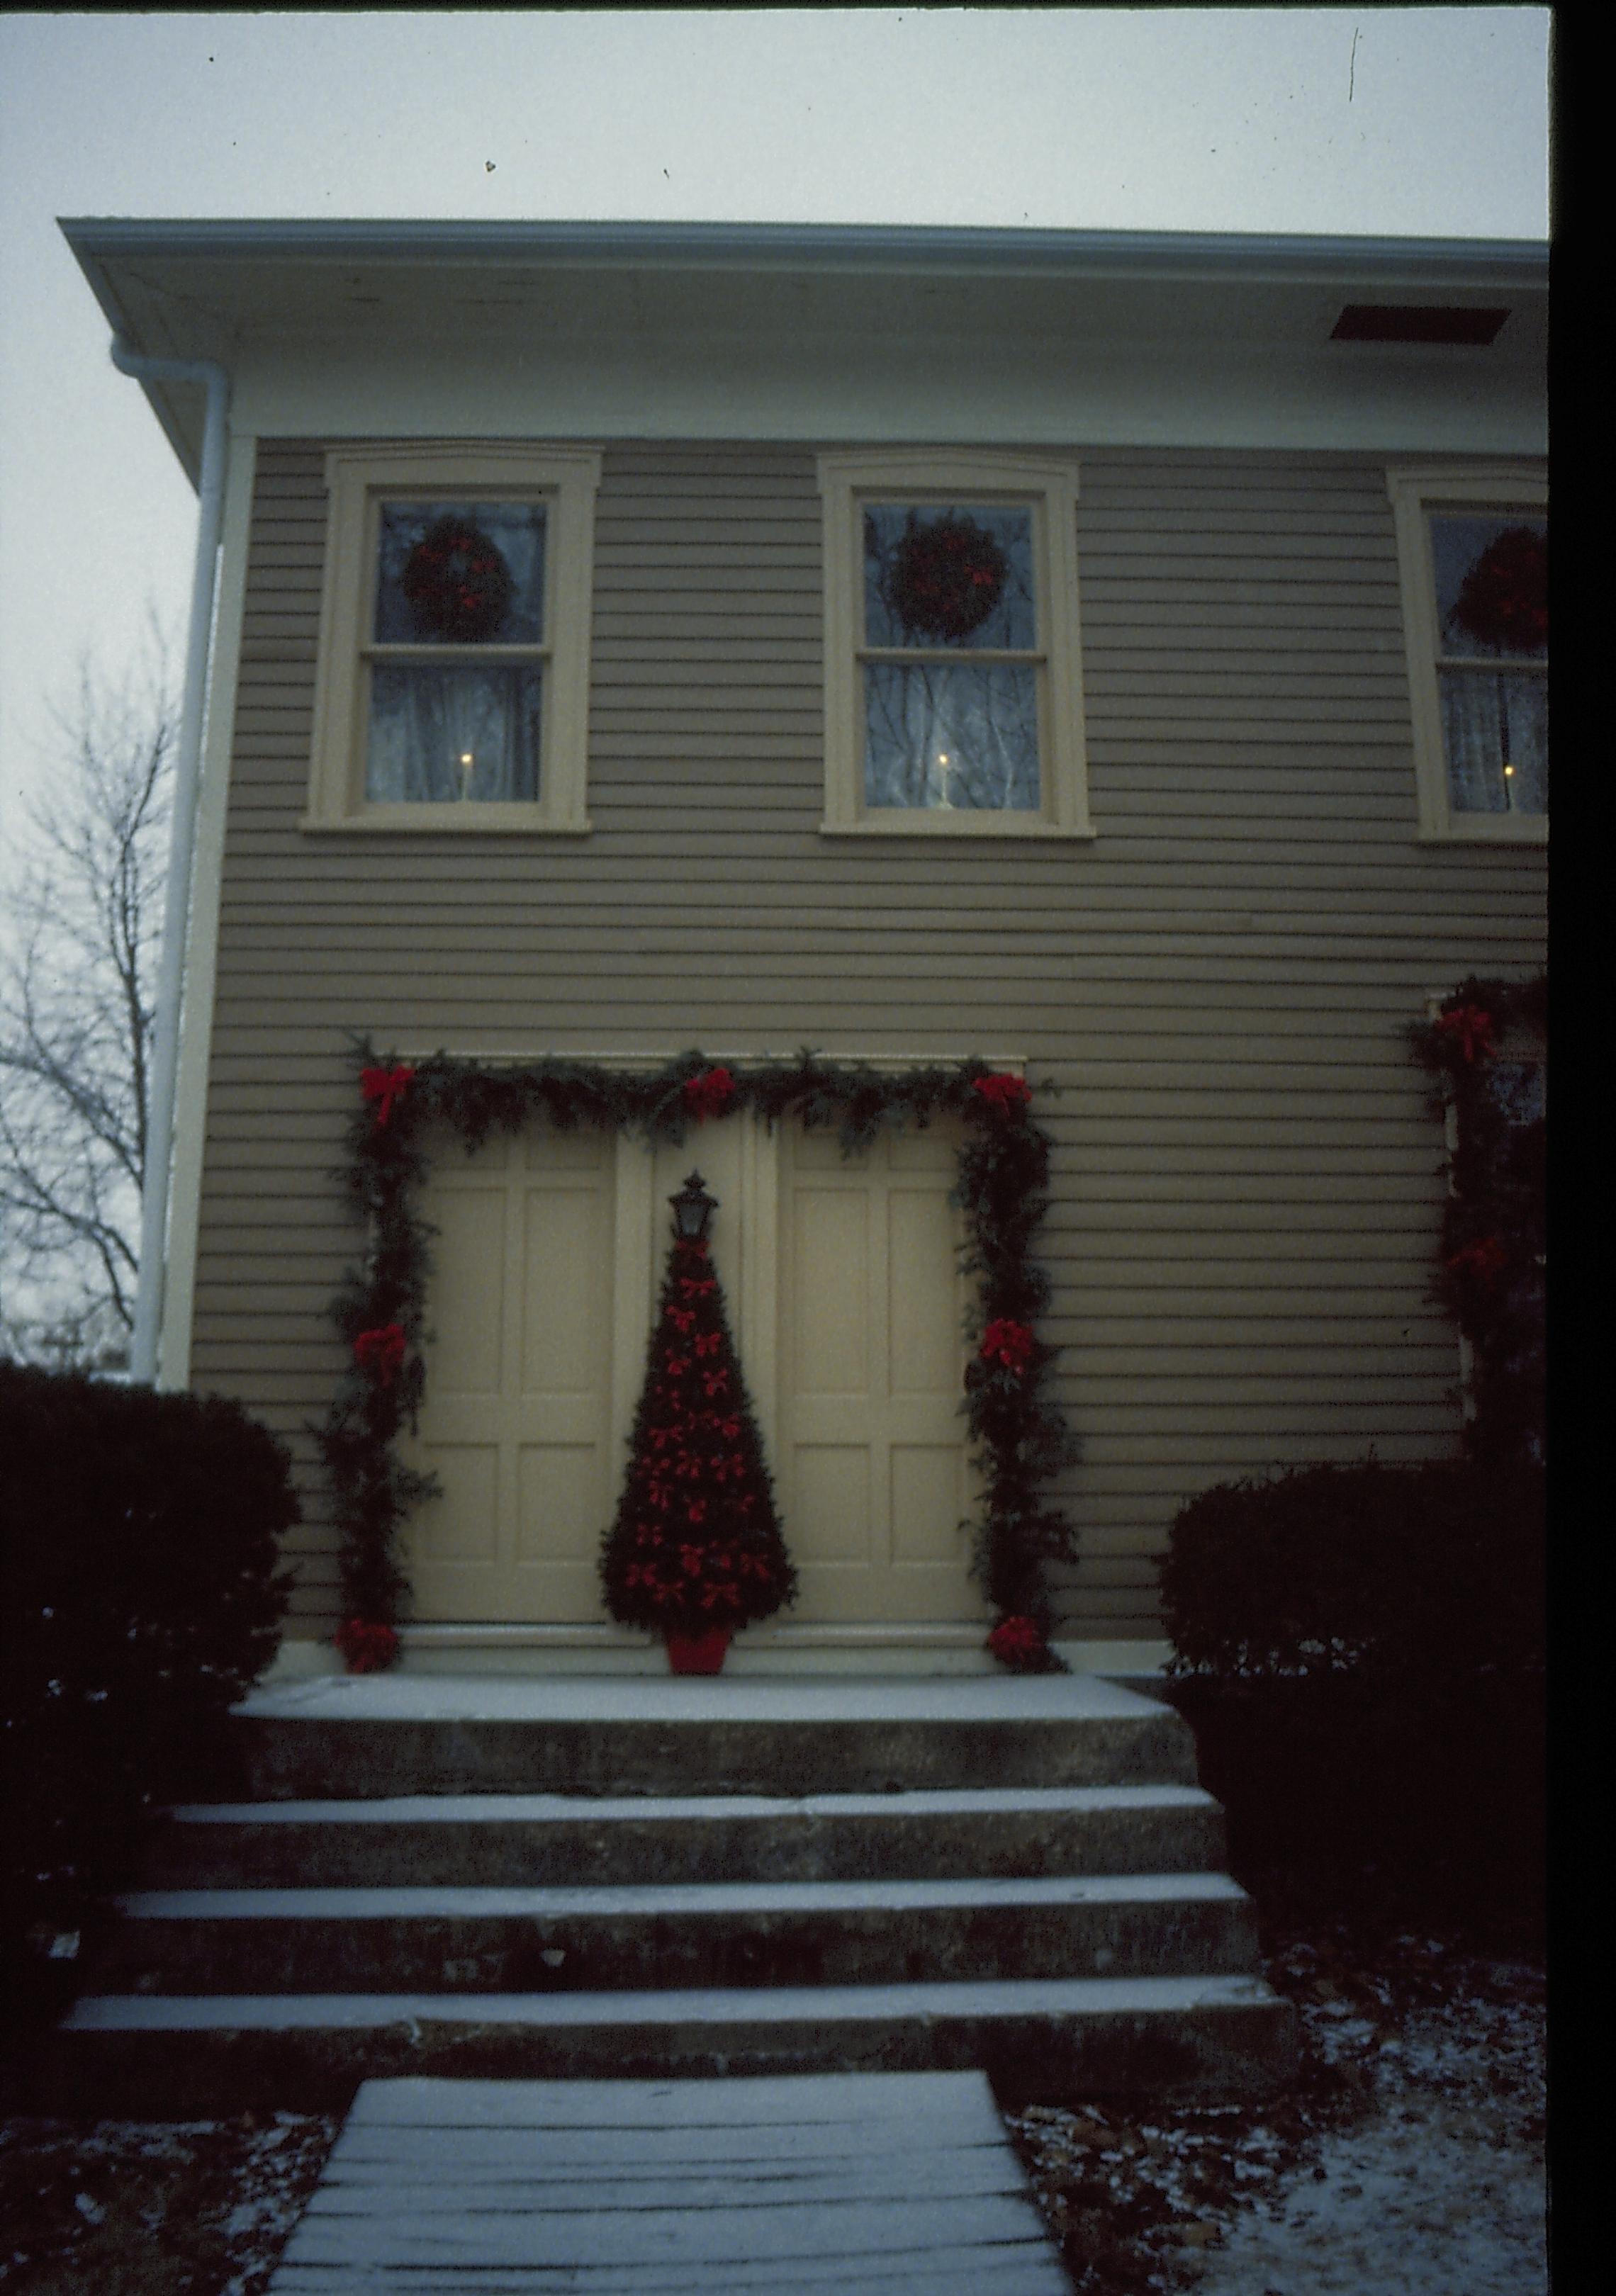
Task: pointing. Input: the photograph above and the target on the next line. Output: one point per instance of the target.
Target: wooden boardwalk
(830, 2184)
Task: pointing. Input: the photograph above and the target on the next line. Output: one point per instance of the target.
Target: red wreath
(1504, 602)
(943, 580)
(457, 583)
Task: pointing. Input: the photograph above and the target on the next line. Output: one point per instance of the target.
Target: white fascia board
(833, 332)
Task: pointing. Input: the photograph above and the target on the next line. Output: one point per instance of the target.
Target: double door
(846, 1301)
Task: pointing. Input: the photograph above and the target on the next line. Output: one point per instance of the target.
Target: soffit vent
(1415, 322)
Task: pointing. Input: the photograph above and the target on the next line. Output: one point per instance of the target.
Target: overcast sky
(1421, 122)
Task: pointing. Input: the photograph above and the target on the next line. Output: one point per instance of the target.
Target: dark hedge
(1361, 1649)
(139, 1596)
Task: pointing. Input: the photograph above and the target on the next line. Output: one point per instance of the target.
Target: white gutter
(182, 846)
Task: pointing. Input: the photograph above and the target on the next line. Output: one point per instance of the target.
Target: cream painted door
(870, 1457)
(517, 1420)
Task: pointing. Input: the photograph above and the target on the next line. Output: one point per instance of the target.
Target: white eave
(765, 303)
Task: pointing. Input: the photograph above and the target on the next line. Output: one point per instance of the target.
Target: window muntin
(453, 687)
(1474, 558)
(952, 696)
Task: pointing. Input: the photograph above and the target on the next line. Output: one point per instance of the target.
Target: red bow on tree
(385, 1086)
(708, 1094)
(381, 1351)
(1008, 1343)
(1006, 1093)
(1471, 1026)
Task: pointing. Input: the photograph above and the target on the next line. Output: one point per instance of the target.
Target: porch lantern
(693, 1208)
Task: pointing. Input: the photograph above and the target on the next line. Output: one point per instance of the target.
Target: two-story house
(1061, 648)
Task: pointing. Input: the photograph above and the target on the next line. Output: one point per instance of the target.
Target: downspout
(182, 847)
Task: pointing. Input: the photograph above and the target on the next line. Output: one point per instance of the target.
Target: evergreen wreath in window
(1504, 602)
(457, 583)
(944, 577)
(696, 1542)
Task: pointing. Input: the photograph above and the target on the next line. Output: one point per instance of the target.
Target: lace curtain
(1490, 720)
(954, 737)
(442, 736)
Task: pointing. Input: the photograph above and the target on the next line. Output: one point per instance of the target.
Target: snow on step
(396, 1809)
(652, 1900)
(852, 2182)
(718, 2006)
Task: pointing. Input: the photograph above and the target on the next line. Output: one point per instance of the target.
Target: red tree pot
(698, 1653)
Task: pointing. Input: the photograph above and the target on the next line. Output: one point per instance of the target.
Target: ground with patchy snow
(1407, 2161)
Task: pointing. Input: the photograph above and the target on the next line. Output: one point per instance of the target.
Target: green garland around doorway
(1019, 1437)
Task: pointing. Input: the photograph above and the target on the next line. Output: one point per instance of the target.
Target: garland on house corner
(1491, 1258)
(1021, 1439)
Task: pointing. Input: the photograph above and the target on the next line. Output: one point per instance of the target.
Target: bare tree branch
(76, 991)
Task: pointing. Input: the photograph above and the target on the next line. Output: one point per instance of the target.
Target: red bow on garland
(708, 1094)
(1007, 1343)
(366, 1645)
(1486, 1259)
(385, 1086)
(1007, 1094)
(1017, 1641)
(381, 1351)
(1470, 1026)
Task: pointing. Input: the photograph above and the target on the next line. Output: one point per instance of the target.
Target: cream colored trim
(567, 478)
(1050, 489)
(1414, 493)
(202, 962)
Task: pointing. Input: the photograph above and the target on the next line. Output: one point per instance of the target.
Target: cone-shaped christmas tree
(696, 1544)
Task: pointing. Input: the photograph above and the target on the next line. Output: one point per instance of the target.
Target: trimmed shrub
(1361, 1649)
(139, 1598)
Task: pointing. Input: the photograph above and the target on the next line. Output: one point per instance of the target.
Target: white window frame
(357, 479)
(1415, 495)
(1049, 488)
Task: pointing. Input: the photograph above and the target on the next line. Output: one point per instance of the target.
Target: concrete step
(676, 1936)
(384, 1735)
(1205, 2038)
(468, 1840)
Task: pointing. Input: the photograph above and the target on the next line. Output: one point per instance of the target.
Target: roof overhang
(229, 291)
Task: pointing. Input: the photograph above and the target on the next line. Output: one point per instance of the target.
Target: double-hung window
(1474, 553)
(952, 701)
(454, 678)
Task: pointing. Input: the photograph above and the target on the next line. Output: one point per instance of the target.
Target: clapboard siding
(1247, 1172)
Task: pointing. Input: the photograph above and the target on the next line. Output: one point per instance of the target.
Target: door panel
(517, 1423)
(871, 1461)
